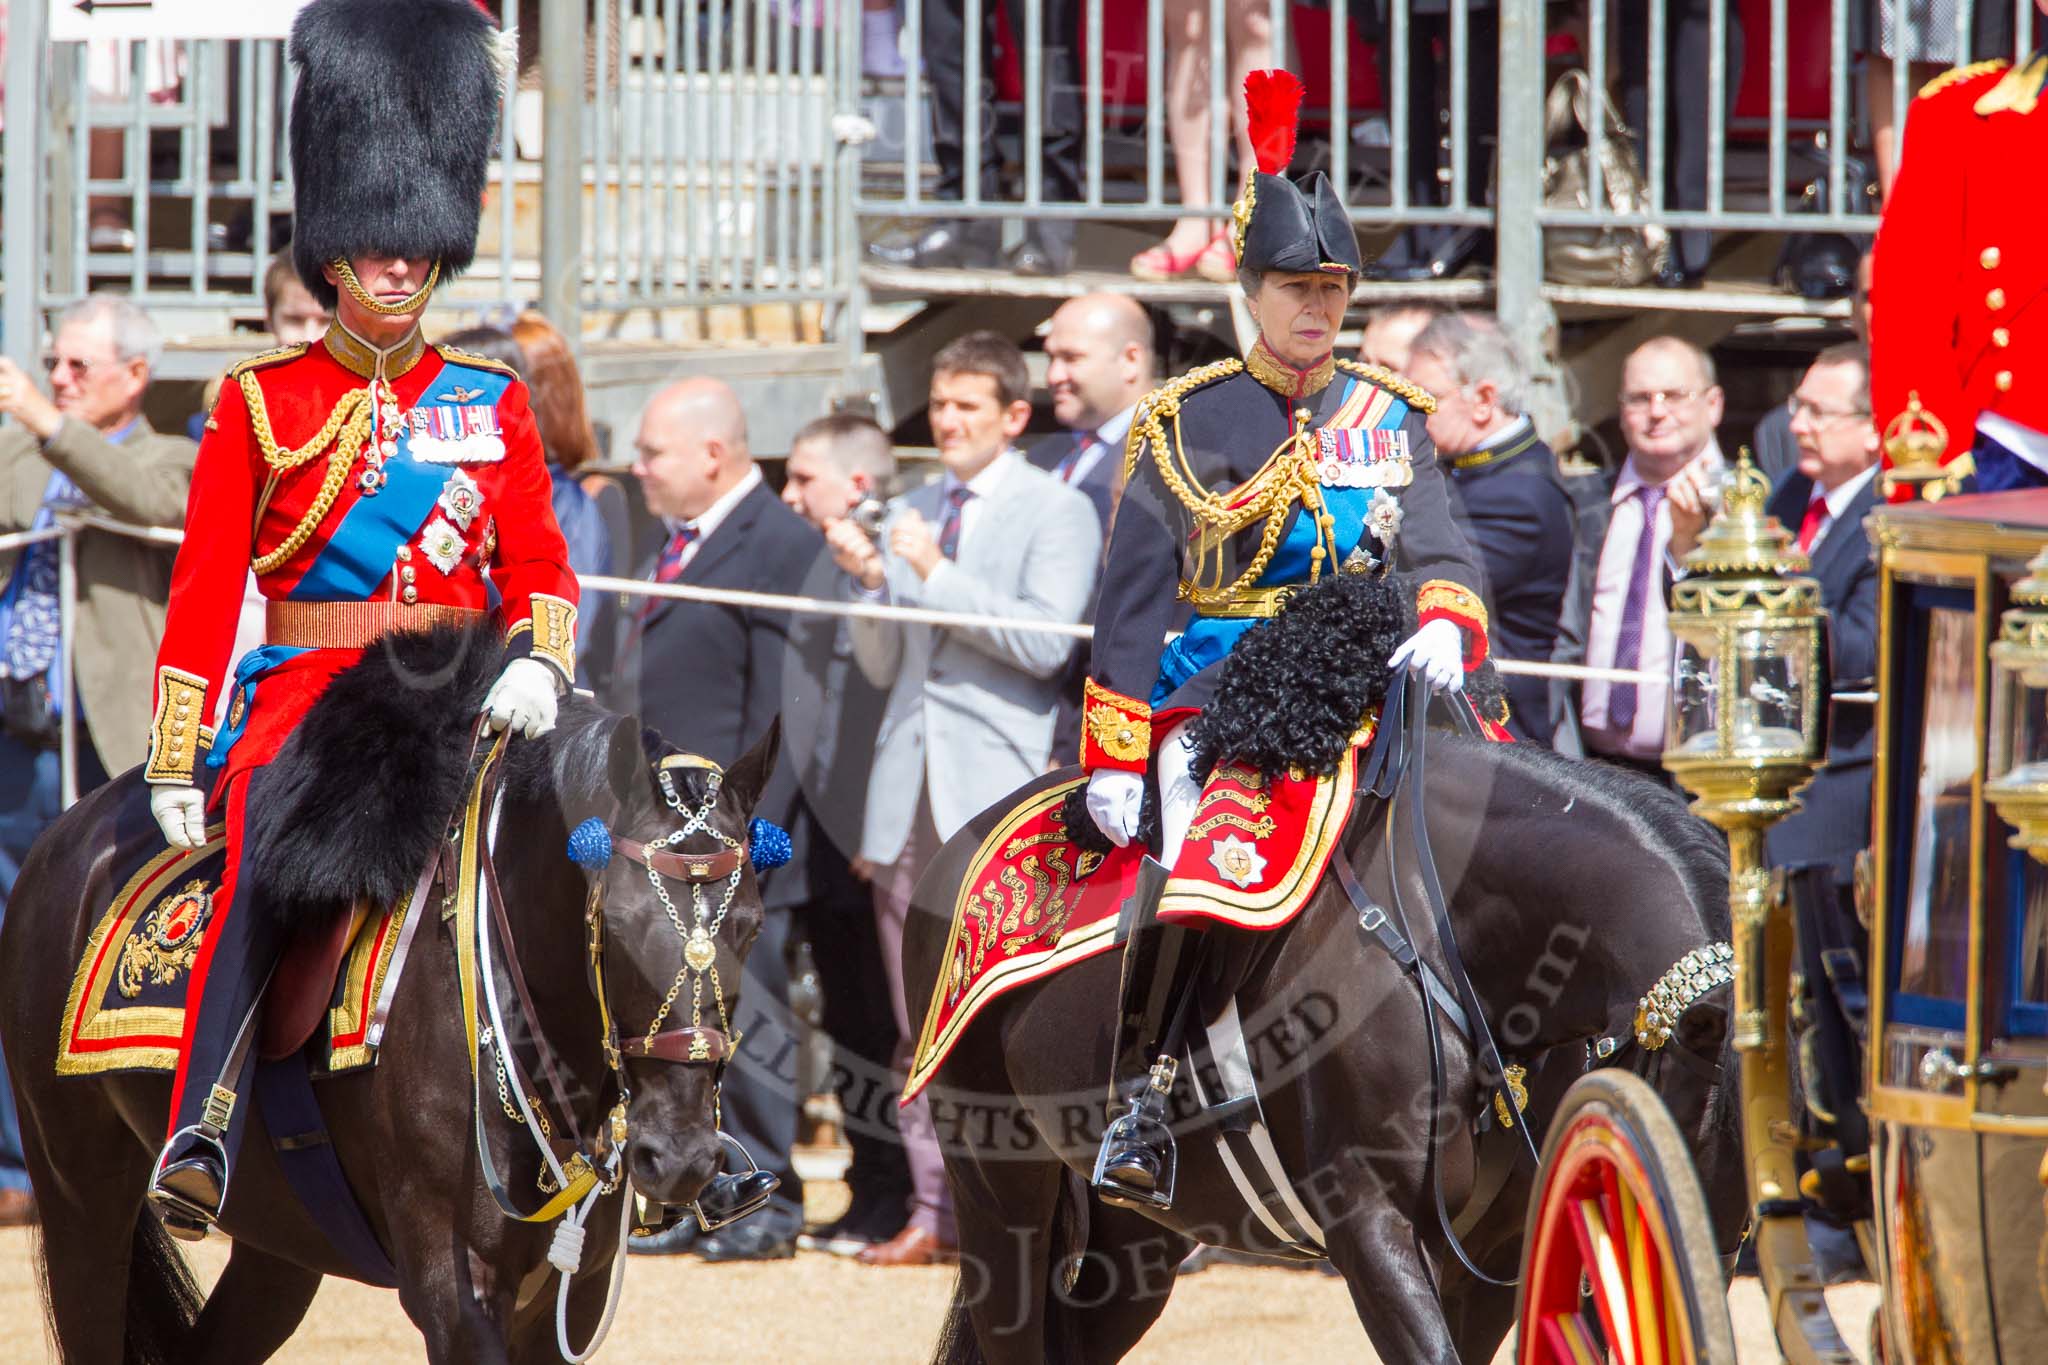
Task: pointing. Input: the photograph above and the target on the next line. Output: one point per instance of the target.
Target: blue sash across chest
(1209, 638)
(360, 552)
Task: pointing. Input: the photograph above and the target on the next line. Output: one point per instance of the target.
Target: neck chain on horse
(700, 950)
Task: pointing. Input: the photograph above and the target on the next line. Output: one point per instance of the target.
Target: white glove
(181, 814)
(523, 698)
(1438, 650)
(1115, 801)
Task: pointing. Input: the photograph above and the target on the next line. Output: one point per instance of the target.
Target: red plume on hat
(1272, 107)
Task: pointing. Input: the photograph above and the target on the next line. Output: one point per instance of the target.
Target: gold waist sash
(355, 625)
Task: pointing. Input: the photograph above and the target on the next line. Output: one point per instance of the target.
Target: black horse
(1572, 888)
(476, 1283)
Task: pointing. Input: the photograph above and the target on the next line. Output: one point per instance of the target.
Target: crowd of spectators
(895, 734)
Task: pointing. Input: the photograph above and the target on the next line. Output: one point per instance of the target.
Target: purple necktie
(949, 529)
(1628, 642)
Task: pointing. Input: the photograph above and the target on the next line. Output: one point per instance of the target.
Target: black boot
(1136, 1163)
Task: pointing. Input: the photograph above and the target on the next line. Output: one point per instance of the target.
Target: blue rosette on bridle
(769, 843)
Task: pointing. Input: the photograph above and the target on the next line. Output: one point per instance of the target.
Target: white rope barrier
(71, 522)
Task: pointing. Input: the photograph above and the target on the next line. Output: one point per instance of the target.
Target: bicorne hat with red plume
(1282, 224)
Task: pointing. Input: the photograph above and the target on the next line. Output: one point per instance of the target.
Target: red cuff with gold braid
(1442, 600)
(1116, 731)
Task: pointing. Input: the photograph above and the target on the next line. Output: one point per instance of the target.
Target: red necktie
(1816, 517)
(949, 529)
(667, 569)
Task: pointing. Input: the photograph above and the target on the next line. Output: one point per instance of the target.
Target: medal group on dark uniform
(1245, 482)
(371, 490)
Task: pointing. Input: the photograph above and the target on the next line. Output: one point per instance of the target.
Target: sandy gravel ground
(829, 1312)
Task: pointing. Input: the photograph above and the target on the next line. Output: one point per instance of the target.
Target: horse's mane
(356, 801)
(1657, 817)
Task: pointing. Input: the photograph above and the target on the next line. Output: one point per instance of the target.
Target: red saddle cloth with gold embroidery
(1032, 902)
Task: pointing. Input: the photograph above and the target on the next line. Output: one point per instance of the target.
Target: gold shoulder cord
(346, 429)
(1287, 476)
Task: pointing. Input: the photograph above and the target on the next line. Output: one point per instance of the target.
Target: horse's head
(669, 853)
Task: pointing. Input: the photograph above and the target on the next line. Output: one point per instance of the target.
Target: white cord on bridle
(565, 1251)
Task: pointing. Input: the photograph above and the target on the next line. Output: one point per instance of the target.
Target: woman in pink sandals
(1200, 243)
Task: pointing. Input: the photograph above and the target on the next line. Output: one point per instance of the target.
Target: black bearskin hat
(392, 126)
(1283, 224)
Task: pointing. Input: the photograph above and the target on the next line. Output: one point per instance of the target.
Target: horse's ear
(748, 778)
(625, 764)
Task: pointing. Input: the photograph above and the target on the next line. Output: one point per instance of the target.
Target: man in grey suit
(970, 712)
(90, 448)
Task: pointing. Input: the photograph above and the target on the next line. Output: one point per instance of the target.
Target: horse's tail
(163, 1298)
(957, 1345)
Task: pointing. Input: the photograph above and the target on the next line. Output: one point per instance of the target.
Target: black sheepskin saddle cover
(1292, 692)
(356, 801)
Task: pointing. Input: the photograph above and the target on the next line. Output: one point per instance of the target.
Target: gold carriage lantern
(1748, 695)
(2018, 767)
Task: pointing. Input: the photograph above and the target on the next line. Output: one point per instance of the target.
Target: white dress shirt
(714, 515)
(1108, 439)
(981, 485)
(1644, 739)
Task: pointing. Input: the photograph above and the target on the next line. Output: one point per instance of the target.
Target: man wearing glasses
(86, 446)
(1670, 407)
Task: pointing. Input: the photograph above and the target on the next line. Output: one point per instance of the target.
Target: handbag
(1614, 256)
(26, 714)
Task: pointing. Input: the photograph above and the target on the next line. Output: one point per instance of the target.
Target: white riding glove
(1115, 801)
(181, 814)
(1438, 649)
(523, 698)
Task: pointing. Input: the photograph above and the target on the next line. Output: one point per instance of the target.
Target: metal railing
(657, 154)
(652, 154)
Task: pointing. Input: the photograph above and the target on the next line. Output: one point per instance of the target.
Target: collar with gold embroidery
(1493, 455)
(1283, 378)
(359, 357)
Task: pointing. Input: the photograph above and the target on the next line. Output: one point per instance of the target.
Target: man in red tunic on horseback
(1244, 483)
(374, 483)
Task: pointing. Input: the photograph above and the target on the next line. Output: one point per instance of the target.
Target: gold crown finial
(1744, 537)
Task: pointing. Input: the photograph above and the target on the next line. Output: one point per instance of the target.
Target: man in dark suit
(1777, 451)
(1824, 501)
(830, 716)
(708, 677)
(1099, 363)
(1506, 496)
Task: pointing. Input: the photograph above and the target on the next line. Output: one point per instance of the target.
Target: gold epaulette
(1957, 75)
(481, 362)
(1163, 404)
(1414, 395)
(263, 359)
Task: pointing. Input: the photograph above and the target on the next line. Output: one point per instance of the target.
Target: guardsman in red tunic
(374, 483)
(1959, 290)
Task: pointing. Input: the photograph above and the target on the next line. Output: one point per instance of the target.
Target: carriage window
(2029, 899)
(1940, 763)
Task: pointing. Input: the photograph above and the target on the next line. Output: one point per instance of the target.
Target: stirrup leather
(1143, 1125)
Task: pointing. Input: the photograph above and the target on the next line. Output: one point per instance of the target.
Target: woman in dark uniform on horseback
(1245, 481)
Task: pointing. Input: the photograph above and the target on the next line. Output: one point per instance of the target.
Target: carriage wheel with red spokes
(1618, 1261)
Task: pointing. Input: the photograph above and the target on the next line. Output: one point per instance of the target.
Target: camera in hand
(869, 515)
